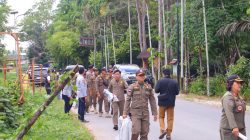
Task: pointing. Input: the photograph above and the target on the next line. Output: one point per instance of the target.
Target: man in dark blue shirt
(168, 89)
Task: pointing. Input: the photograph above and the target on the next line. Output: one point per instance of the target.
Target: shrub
(217, 85)
(198, 86)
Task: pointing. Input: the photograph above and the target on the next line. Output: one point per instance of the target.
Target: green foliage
(198, 86)
(217, 85)
(4, 11)
(241, 68)
(9, 111)
(55, 124)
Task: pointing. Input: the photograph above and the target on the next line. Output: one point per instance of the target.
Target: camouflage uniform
(118, 89)
(137, 104)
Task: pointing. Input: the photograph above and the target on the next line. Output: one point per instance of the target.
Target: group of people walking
(139, 95)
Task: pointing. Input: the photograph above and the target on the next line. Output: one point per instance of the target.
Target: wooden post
(42, 108)
(33, 77)
(4, 71)
(41, 76)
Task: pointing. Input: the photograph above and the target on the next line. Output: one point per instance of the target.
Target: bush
(217, 85)
(9, 110)
(198, 86)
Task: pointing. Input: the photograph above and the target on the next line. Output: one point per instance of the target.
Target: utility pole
(205, 29)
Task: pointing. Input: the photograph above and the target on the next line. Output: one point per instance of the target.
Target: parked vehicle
(40, 75)
(127, 71)
(71, 67)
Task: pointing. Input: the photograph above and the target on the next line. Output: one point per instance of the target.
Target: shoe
(100, 114)
(115, 127)
(168, 137)
(107, 115)
(162, 135)
(85, 121)
(96, 112)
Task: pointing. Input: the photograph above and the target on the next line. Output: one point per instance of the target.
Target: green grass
(9, 76)
(54, 124)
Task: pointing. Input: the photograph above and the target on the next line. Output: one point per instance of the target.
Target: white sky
(21, 6)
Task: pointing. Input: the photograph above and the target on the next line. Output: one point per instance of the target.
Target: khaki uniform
(101, 84)
(90, 76)
(118, 89)
(137, 104)
(233, 116)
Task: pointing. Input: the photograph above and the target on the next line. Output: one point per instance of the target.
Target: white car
(127, 71)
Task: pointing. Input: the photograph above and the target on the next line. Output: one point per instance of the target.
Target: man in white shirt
(81, 92)
(67, 96)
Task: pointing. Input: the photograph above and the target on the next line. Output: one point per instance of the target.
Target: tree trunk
(130, 35)
(164, 35)
(150, 44)
(138, 6)
(205, 30)
(160, 36)
(113, 42)
(200, 61)
(42, 108)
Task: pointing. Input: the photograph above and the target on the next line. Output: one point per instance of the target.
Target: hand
(124, 116)
(155, 118)
(236, 132)
(98, 94)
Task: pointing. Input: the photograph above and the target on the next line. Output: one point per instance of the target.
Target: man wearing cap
(233, 110)
(168, 89)
(117, 86)
(101, 84)
(90, 76)
(138, 96)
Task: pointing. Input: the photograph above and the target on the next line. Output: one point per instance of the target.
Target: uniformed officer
(233, 112)
(138, 96)
(90, 76)
(101, 84)
(93, 96)
(117, 86)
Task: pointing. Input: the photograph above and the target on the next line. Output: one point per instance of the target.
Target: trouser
(117, 106)
(67, 105)
(140, 126)
(48, 90)
(93, 99)
(170, 118)
(226, 134)
(81, 108)
(90, 93)
(106, 104)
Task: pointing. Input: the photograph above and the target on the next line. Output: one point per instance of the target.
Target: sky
(21, 6)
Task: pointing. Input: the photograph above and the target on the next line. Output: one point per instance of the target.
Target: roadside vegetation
(53, 123)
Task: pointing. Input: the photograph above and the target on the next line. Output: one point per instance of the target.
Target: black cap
(116, 70)
(140, 72)
(91, 66)
(235, 78)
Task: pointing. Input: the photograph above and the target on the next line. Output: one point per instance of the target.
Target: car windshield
(129, 69)
(37, 72)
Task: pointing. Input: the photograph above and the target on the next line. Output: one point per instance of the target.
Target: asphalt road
(193, 121)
